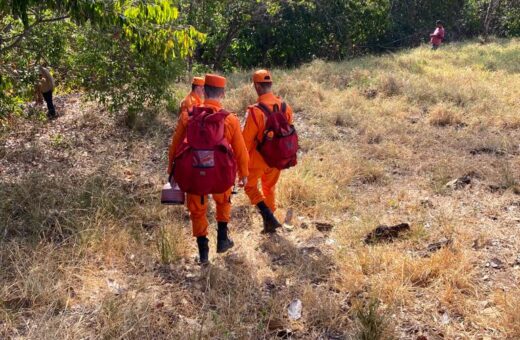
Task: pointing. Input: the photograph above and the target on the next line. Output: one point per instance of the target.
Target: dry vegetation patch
(88, 252)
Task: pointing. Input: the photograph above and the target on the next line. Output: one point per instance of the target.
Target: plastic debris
(295, 310)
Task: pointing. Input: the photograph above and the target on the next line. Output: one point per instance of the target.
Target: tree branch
(54, 19)
(14, 43)
(22, 35)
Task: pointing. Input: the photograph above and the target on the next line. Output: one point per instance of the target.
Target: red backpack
(204, 163)
(279, 145)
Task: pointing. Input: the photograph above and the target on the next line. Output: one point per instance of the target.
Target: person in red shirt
(437, 36)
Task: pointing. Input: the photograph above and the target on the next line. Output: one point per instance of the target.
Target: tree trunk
(234, 28)
(493, 5)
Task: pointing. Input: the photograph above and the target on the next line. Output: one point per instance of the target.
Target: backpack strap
(225, 112)
(264, 108)
(276, 108)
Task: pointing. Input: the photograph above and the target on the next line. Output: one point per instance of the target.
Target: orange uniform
(187, 104)
(191, 100)
(198, 205)
(258, 169)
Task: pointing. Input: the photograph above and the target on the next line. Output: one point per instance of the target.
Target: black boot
(270, 221)
(224, 243)
(202, 242)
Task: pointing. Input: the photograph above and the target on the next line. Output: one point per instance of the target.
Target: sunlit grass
(92, 254)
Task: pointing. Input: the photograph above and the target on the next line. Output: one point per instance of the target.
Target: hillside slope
(87, 251)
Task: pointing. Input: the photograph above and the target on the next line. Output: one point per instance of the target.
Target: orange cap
(215, 81)
(262, 76)
(198, 81)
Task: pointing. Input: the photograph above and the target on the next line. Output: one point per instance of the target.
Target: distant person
(206, 152)
(195, 97)
(272, 144)
(45, 88)
(437, 37)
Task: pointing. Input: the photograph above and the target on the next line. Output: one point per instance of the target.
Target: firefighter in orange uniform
(194, 98)
(258, 169)
(214, 90)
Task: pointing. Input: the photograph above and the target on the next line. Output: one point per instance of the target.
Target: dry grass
(444, 116)
(88, 252)
(509, 304)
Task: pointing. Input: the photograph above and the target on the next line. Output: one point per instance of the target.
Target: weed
(507, 178)
(57, 140)
(444, 116)
(389, 86)
(168, 246)
(441, 174)
(369, 172)
(372, 324)
(509, 303)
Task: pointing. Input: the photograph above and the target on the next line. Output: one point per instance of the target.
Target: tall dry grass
(88, 252)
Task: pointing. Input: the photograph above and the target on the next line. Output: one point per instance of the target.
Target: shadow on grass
(230, 300)
(233, 299)
(306, 264)
(36, 207)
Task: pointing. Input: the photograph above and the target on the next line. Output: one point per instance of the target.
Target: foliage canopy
(127, 53)
(122, 52)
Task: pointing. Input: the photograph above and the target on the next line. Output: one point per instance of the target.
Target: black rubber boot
(202, 242)
(270, 221)
(224, 243)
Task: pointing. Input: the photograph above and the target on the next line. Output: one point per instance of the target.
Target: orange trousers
(198, 208)
(268, 177)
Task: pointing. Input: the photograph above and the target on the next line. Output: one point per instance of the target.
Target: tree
(222, 21)
(146, 30)
(492, 17)
(249, 32)
(490, 13)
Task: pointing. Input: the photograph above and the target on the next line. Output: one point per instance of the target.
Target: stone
(386, 233)
(459, 183)
(323, 226)
(433, 247)
(496, 263)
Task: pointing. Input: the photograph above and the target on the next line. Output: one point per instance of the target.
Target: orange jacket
(191, 100)
(231, 132)
(253, 133)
